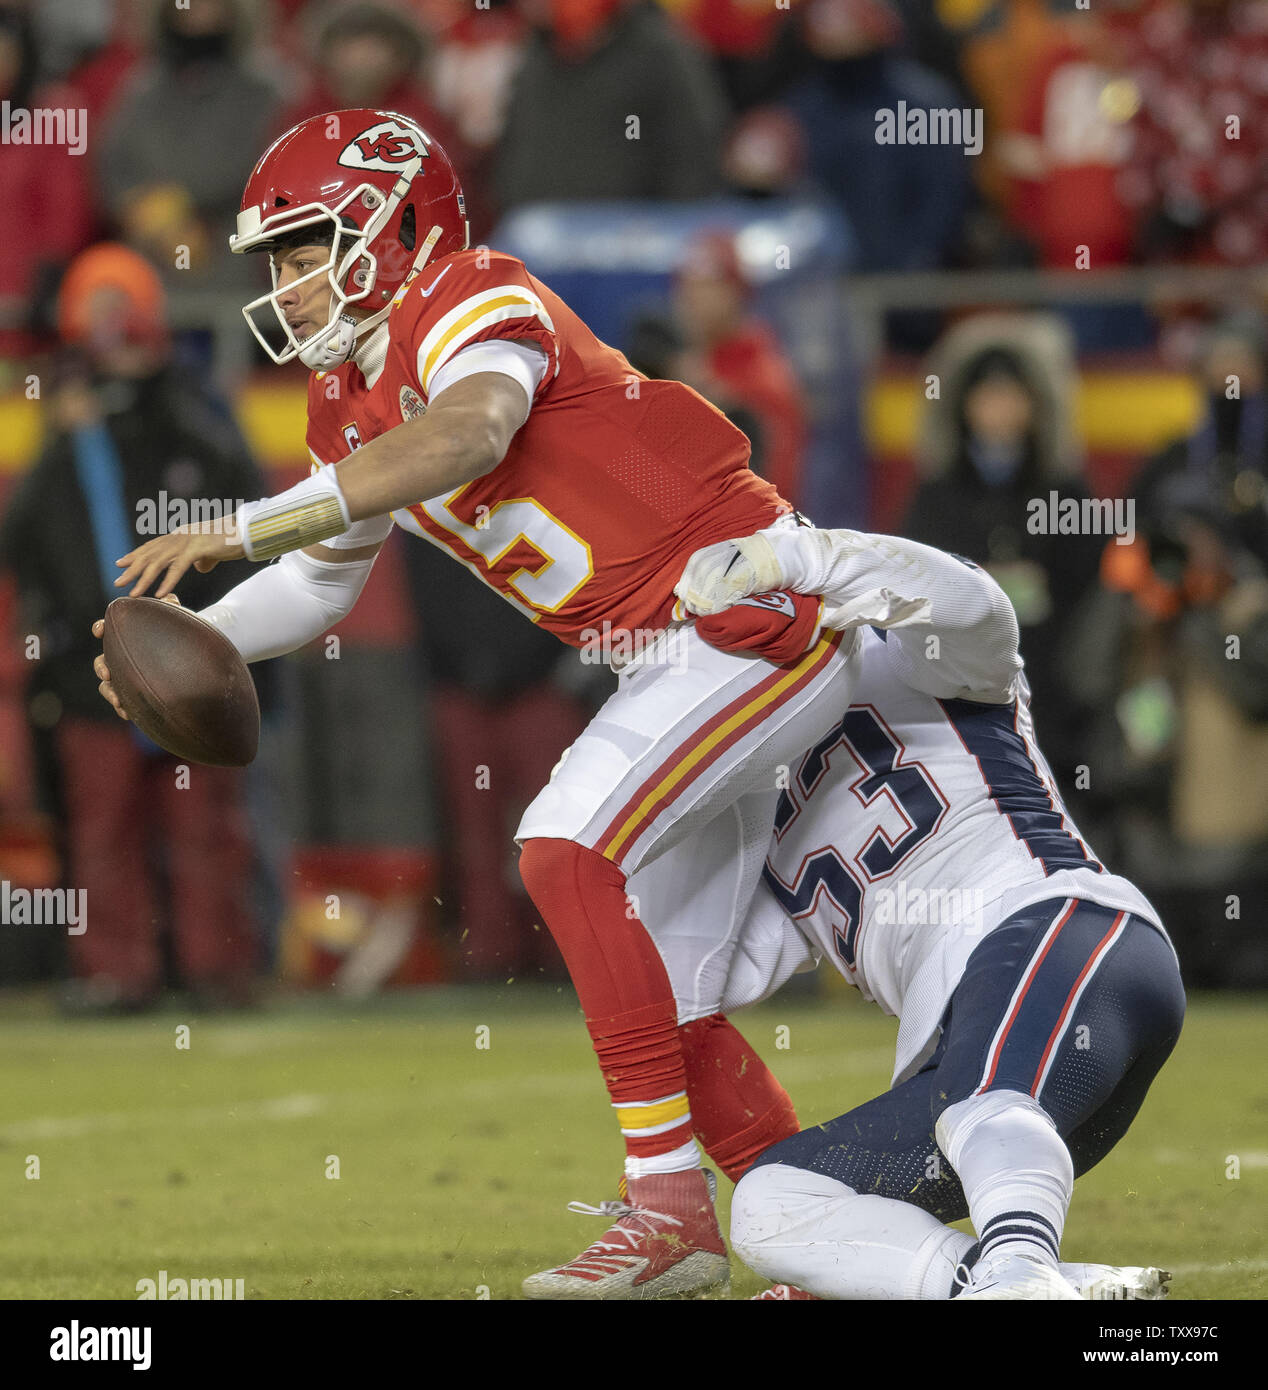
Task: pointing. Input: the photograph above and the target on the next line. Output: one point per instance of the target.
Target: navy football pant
(1072, 1003)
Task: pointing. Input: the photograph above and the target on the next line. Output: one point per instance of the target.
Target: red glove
(779, 627)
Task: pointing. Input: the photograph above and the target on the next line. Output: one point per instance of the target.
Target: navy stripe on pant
(1076, 1004)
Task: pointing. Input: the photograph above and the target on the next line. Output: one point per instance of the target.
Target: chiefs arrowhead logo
(387, 147)
(411, 404)
(779, 602)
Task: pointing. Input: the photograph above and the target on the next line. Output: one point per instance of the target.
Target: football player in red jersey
(453, 394)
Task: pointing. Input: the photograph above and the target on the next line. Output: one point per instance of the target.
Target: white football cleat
(1118, 1281)
(1003, 1276)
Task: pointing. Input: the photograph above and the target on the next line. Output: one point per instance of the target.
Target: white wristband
(311, 511)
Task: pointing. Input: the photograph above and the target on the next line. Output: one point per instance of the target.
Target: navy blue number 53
(825, 881)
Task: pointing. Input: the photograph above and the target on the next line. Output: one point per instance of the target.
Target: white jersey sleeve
(523, 362)
(968, 647)
(952, 630)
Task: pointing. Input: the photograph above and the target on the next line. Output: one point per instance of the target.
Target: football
(182, 682)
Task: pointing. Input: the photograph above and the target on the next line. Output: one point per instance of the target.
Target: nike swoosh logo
(436, 281)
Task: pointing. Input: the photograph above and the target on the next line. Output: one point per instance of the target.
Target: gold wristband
(269, 534)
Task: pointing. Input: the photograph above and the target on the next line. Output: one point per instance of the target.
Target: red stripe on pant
(684, 750)
(998, 1049)
(1097, 952)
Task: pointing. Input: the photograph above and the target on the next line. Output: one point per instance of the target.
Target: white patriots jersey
(921, 822)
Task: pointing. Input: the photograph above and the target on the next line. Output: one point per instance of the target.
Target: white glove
(858, 575)
(718, 576)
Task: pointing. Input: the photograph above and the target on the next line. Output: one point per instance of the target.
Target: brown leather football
(182, 682)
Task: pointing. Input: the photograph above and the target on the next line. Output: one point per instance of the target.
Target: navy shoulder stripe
(990, 734)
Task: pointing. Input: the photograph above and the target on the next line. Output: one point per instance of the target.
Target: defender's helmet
(375, 186)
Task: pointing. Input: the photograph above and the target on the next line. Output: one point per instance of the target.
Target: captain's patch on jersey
(388, 147)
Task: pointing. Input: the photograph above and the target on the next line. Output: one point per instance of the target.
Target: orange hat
(109, 293)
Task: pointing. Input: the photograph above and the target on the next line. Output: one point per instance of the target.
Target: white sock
(801, 1228)
(678, 1160)
(1015, 1169)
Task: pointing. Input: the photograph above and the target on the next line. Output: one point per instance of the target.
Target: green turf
(456, 1162)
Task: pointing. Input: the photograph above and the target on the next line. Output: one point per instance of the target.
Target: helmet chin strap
(332, 346)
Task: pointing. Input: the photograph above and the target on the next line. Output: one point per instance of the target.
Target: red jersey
(607, 488)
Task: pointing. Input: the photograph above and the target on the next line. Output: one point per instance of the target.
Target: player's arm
(465, 433)
(287, 604)
(953, 633)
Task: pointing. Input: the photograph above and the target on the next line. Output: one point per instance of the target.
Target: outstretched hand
(203, 547)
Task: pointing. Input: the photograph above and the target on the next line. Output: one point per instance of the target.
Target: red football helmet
(380, 190)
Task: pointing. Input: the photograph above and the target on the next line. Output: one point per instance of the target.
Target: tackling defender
(457, 397)
(924, 848)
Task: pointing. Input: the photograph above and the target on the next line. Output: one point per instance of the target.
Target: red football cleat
(783, 1293)
(663, 1241)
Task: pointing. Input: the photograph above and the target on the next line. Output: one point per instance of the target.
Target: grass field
(456, 1161)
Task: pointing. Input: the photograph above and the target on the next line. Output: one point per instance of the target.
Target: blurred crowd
(1146, 648)
(1131, 131)
(1129, 134)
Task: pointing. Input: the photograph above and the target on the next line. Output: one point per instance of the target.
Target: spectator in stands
(91, 44)
(733, 359)
(360, 809)
(44, 189)
(1170, 662)
(372, 55)
(1195, 174)
(130, 440)
(1223, 465)
(182, 140)
(997, 437)
(1136, 132)
(765, 155)
(474, 67)
(754, 47)
(905, 202)
(1062, 137)
(612, 100)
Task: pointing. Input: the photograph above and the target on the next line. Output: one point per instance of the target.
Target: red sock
(621, 982)
(738, 1108)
